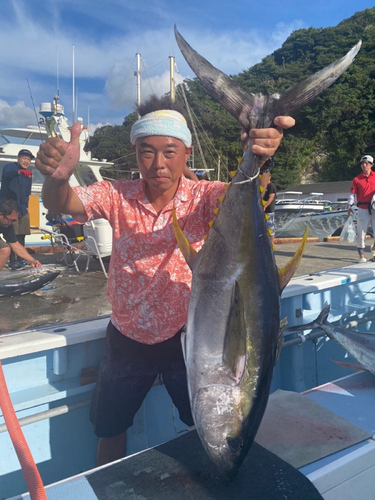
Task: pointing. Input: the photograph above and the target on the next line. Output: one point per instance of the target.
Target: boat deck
(182, 465)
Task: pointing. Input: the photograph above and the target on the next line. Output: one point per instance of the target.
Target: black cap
(25, 152)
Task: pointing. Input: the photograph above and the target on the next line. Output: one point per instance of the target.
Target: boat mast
(138, 75)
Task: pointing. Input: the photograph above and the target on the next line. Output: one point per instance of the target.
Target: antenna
(36, 116)
(88, 119)
(73, 111)
(57, 71)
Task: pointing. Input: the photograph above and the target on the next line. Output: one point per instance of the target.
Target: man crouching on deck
(149, 281)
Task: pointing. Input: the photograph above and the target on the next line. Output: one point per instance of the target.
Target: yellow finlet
(261, 189)
(266, 216)
(187, 250)
(211, 223)
(269, 231)
(216, 211)
(232, 173)
(286, 273)
(264, 202)
(227, 186)
(239, 160)
(221, 198)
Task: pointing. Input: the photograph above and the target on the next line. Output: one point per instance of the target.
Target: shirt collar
(136, 190)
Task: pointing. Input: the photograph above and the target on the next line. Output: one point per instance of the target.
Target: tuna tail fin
(317, 323)
(239, 103)
(187, 250)
(304, 92)
(286, 273)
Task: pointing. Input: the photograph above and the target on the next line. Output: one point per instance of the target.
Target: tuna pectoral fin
(187, 250)
(286, 273)
(352, 366)
(234, 349)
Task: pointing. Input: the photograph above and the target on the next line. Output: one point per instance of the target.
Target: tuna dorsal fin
(287, 272)
(187, 250)
(234, 349)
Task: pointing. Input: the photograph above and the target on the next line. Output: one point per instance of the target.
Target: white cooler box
(101, 231)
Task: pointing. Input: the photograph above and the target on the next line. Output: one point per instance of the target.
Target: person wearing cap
(361, 193)
(16, 182)
(149, 281)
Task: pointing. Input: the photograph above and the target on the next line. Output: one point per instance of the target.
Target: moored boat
(88, 171)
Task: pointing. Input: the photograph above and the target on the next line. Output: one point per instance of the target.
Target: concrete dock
(72, 296)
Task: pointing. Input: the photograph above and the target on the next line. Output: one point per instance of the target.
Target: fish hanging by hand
(233, 330)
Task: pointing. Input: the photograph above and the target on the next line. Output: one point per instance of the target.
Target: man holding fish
(149, 282)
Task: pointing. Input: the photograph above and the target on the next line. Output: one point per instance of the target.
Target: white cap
(368, 158)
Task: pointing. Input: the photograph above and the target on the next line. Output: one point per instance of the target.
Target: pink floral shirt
(149, 280)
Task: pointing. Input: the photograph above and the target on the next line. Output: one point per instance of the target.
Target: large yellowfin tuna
(233, 324)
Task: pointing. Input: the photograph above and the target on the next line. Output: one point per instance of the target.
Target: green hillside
(330, 135)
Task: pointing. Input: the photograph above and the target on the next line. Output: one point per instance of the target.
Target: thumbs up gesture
(58, 159)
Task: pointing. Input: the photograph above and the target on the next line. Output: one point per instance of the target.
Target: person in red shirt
(149, 281)
(361, 192)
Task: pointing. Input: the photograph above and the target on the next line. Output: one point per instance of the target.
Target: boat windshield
(3, 140)
(85, 176)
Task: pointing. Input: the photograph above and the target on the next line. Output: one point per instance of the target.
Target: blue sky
(36, 37)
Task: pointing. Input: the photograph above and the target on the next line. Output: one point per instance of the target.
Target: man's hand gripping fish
(233, 329)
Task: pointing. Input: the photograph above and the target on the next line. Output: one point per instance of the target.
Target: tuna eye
(235, 444)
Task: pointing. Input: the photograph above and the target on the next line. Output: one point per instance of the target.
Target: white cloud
(17, 116)
(106, 63)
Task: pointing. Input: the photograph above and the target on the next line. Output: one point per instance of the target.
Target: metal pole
(172, 81)
(73, 111)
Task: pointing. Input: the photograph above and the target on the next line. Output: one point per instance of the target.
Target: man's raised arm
(57, 159)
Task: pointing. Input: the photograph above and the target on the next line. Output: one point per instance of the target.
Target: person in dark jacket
(16, 185)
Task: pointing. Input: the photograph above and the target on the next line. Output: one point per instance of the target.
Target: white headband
(166, 122)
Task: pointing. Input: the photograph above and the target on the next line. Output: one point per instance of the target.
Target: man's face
(7, 220)
(24, 161)
(161, 161)
(366, 167)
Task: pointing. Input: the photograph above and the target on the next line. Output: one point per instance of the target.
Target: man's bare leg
(111, 449)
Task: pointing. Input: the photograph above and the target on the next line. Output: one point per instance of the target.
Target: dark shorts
(126, 374)
(3, 244)
(22, 225)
